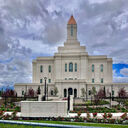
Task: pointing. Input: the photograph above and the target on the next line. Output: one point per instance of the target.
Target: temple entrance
(70, 91)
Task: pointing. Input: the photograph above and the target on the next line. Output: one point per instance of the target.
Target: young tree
(83, 92)
(93, 91)
(38, 90)
(31, 92)
(122, 93)
(55, 91)
(8, 93)
(101, 93)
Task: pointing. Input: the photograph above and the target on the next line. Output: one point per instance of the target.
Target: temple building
(72, 70)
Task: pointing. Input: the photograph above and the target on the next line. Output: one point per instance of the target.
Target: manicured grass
(2, 125)
(82, 124)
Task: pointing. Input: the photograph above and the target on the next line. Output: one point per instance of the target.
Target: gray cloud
(29, 28)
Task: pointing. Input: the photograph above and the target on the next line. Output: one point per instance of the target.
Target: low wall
(43, 108)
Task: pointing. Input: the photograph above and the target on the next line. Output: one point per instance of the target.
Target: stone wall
(43, 108)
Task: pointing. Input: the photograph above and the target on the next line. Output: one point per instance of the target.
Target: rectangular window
(102, 80)
(49, 68)
(93, 68)
(65, 78)
(71, 30)
(93, 80)
(22, 92)
(41, 81)
(65, 67)
(41, 68)
(101, 67)
(75, 67)
(49, 80)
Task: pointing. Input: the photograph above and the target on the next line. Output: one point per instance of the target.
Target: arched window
(71, 30)
(93, 67)
(65, 67)
(70, 91)
(75, 92)
(70, 67)
(101, 67)
(49, 68)
(41, 68)
(52, 92)
(65, 92)
(75, 67)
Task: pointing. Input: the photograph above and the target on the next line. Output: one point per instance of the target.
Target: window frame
(93, 80)
(65, 67)
(49, 80)
(49, 68)
(102, 80)
(101, 67)
(75, 67)
(71, 29)
(41, 68)
(70, 67)
(93, 67)
(41, 80)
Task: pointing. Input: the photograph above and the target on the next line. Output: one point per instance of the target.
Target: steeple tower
(72, 29)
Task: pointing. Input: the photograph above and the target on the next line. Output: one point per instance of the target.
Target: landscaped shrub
(95, 114)
(109, 115)
(124, 116)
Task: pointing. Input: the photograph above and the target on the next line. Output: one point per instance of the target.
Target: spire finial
(72, 20)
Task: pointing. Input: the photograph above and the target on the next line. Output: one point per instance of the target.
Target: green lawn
(18, 126)
(82, 124)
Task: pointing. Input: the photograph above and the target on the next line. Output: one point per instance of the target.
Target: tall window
(75, 67)
(49, 68)
(41, 81)
(101, 67)
(22, 92)
(93, 80)
(71, 30)
(65, 67)
(49, 80)
(75, 92)
(70, 67)
(65, 92)
(93, 67)
(102, 80)
(41, 68)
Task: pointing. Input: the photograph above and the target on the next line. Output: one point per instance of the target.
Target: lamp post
(45, 89)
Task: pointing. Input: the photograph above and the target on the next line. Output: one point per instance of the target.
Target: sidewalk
(44, 124)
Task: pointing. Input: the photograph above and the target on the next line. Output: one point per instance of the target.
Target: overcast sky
(31, 28)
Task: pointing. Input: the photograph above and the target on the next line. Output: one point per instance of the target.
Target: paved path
(44, 124)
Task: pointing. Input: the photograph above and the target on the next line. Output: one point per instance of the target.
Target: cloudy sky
(31, 28)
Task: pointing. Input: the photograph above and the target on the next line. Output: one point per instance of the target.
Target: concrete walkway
(44, 124)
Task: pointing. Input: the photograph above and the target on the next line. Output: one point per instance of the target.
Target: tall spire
(71, 20)
(72, 29)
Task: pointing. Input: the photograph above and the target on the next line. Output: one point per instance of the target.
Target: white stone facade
(88, 71)
(43, 108)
